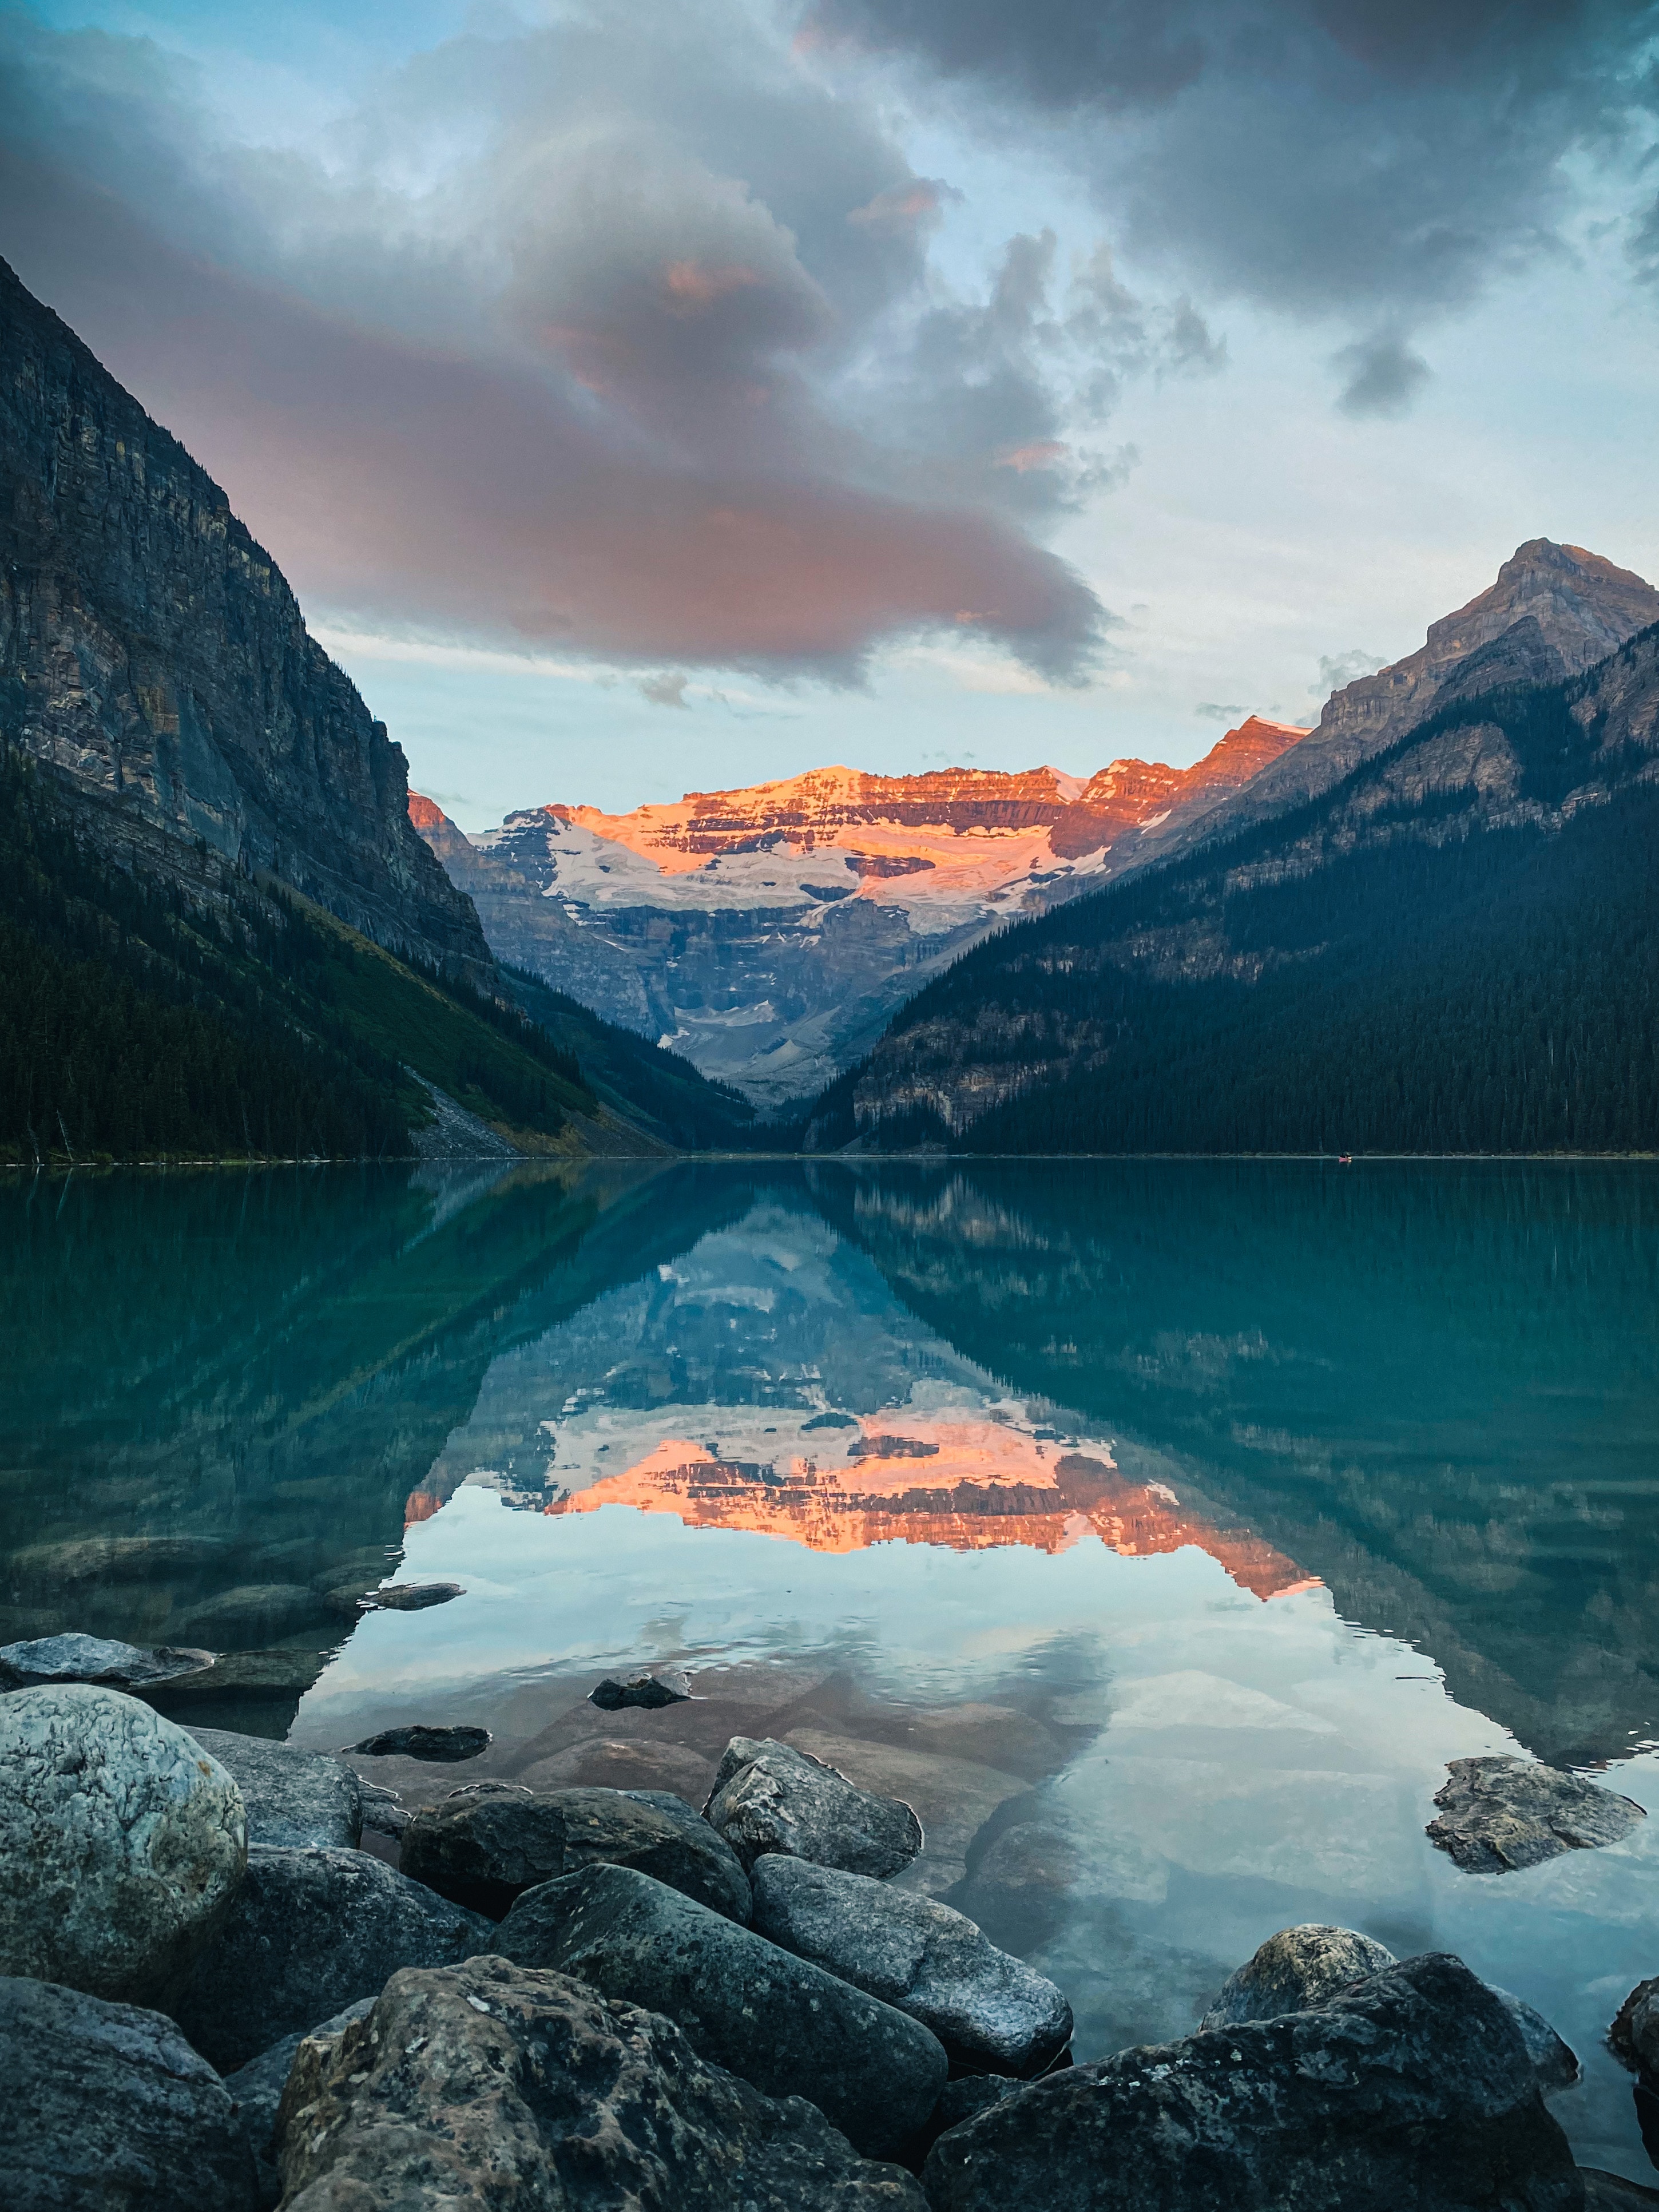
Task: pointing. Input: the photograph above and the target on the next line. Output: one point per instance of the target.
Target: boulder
(649, 1690)
(239, 1676)
(769, 1797)
(1295, 1971)
(1411, 2087)
(108, 2109)
(121, 1843)
(1612, 2192)
(485, 1846)
(988, 2009)
(409, 1597)
(1634, 2033)
(442, 1747)
(1301, 1968)
(257, 2088)
(487, 2084)
(1500, 1814)
(310, 1932)
(1019, 1886)
(77, 1658)
(383, 1810)
(293, 1797)
(779, 2021)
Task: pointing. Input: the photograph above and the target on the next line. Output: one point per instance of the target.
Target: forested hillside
(1452, 951)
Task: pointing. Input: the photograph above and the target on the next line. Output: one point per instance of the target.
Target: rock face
(312, 1931)
(107, 2105)
(1295, 1971)
(155, 662)
(489, 2083)
(1500, 1813)
(1411, 2088)
(293, 1797)
(95, 1659)
(443, 1747)
(121, 1843)
(988, 2010)
(780, 2022)
(769, 1797)
(770, 931)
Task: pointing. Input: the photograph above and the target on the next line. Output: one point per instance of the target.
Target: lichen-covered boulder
(293, 1797)
(494, 2086)
(74, 1657)
(989, 2009)
(108, 2109)
(767, 1796)
(122, 1843)
(1295, 1970)
(1500, 1813)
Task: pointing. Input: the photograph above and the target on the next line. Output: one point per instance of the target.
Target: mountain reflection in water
(964, 1484)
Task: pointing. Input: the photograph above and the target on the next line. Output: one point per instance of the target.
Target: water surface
(1158, 1529)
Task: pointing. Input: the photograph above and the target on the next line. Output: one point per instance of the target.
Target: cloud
(664, 691)
(1382, 376)
(1338, 669)
(1208, 711)
(605, 337)
(1325, 158)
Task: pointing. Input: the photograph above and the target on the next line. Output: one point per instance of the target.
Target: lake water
(1159, 1530)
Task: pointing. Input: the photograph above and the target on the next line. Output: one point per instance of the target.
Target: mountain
(1451, 949)
(220, 932)
(767, 934)
(155, 662)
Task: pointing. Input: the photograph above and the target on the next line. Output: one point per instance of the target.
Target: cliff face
(153, 660)
(769, 933)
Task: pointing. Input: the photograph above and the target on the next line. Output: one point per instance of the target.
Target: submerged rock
(645, 1689)
(489, 2083)
(442, 1746)
(1411, 2087)
(768, 1796)
(293, 1797)
(1018, 1887)
(486, 1846)
(122, 1843)
(96, 1659)
(782, 2023)
(310, 1932)
(987, 2008)
(409, 1597)
(107, 2106)
(1294, 1971)
(1498, 1814)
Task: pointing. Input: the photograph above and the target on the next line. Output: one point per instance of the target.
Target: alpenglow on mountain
(769, 933)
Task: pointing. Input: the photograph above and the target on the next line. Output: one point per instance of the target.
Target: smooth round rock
(122, 1843)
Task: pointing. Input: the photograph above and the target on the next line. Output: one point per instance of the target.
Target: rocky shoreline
(216, 1992)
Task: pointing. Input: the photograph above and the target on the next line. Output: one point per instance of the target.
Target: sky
(664, 395)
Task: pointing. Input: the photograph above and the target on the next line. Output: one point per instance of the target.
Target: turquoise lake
(1158, 1529)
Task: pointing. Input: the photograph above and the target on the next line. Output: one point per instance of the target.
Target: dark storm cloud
(1382, 376)
(1323, 156)
(604, 333)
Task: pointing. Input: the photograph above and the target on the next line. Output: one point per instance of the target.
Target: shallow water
(1159, 1530)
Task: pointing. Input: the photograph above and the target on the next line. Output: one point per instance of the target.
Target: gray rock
(1611, 2192)
(293, 1797)
(987, 2008)
(1294, 1971)
(487, 2082)
(1411, 2087)
(409, 1597)
(440, 1746)
(240, 1676)
(647, 1690)
(1017, 1888)
(779, 2021)
(310, 1932)
(768, 1796)
(383, 1809)
(257, 2088)
(108, 2109)
(121, 1843)
(77, 1658)
(1554, 2061)
(1498, 1813)
(1634, 2033)
(486, 1845)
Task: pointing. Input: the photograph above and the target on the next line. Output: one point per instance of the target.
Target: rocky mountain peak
(1584, 606)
